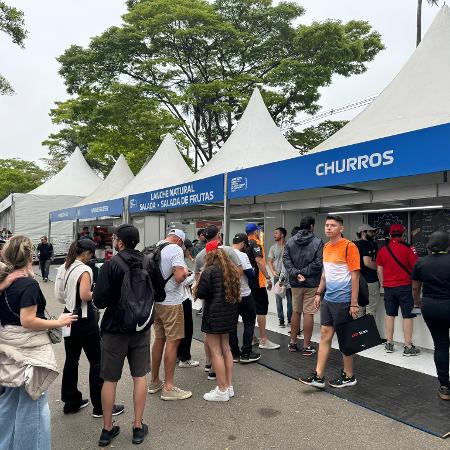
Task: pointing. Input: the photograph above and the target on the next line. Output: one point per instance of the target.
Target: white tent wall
(31, 218)
(6, 219)
(152, 228)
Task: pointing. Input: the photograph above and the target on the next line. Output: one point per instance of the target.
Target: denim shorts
(399, 297)
(333, 314)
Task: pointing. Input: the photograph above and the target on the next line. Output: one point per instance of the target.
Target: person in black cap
(246, 307)
(432, 274)
(116, 345)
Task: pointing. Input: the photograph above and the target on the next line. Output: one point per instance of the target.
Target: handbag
(279, 289)
(55, 334)
(358, 335)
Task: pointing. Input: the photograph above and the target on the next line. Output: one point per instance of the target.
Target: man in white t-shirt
(169, 317)
(246, 307)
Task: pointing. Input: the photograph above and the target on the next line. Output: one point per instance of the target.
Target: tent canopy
(76, 178)
(256, 140)
(118, 178)
(166, 168)
(418, 97)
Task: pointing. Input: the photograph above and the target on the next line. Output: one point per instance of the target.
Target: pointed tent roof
(418, 97)
(256, 140)
(76, 178)
(166, 168)
(117, 179)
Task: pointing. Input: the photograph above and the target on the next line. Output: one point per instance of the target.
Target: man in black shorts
(256, 255)
(116, 345)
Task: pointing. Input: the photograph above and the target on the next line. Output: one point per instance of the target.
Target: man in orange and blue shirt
(340, 283)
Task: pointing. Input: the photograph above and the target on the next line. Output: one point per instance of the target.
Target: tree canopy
(12, 23)
(193, 64)
(17, 175)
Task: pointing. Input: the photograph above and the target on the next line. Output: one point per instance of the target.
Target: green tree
(419, 18)
(200, 61)
(105, 124)
(13, 24)
(311, 137)
(17, 175)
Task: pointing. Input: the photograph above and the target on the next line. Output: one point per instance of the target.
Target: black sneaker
(211, 375)
(309, 351)
(292, 347)
(236, 359)
(343, 381)
(107, 436)
(282, 324)
(444, 392)
(139, 434)
(313, 380)
(208, 367)
(250, 357)
(72, 410)
(117, 410)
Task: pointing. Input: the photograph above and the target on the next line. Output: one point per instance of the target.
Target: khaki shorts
(169, 322)
(303, 300)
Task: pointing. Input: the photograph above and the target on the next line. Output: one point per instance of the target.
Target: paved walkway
(270, 411)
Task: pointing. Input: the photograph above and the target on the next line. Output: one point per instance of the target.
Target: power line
(331, 112)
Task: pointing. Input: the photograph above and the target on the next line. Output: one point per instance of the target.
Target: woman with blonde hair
(27, 362)
(219, 287)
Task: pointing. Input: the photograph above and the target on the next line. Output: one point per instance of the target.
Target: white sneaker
(188, 363)
(231, 391)
(268, 345)
(216, 395)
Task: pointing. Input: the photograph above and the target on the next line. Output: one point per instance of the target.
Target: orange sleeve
(353, 260)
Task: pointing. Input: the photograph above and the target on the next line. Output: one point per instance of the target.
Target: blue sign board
(110, 208)
(209, 190)
(63, 214)
(412, 153)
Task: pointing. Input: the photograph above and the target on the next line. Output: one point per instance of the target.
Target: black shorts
(115, 347)
(333, 314)
(261, 301)
(395, 297)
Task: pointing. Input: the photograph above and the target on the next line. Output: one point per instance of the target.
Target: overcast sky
(55, 25)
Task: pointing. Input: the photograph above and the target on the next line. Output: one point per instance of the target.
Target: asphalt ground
(269, 411)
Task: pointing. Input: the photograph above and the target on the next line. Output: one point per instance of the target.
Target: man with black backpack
(169, 315)
(125, 289)
(395, 262)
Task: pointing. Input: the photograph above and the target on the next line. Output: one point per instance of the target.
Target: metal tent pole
(226, 212)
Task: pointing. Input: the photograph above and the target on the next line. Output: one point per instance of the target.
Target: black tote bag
(358, 335)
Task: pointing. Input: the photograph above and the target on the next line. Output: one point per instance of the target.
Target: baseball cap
(397, 228)
(366, 227)
(177, 232)
(211, 231)
(240, 237)
(251, 228)
(212, 245)
(127, 233)
(87, 244)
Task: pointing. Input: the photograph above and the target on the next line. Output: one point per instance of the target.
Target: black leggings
(184, 349)
(436, 314)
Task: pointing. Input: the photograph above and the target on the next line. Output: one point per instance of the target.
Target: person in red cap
(219, 287)
(395, 262)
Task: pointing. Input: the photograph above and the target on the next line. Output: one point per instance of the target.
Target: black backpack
(134, 311)
(363, 292)
(152, 255)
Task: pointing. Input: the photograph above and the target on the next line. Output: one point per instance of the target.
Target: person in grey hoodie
(303, 261)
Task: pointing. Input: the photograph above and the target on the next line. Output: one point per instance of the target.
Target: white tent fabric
(118, 178)
(166, 168)
(76, 178)
(418, 97)
(256, 140)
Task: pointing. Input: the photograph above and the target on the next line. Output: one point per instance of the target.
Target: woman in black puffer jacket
(219, 287)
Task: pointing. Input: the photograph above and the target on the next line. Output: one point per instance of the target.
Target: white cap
(177, 232)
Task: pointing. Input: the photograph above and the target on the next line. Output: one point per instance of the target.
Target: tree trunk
(419, 22)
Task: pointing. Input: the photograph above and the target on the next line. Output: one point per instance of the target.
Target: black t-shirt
(24, 292)
(254, 250)
(434, 272)
(45, 251)
(367, 248)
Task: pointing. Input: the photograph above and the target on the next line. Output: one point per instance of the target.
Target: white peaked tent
(166, 168)
(28, 214)
(418, 97)
(118, 178)
(256, 140)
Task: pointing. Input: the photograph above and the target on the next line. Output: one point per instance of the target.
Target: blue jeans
(280, 310)
(24, 422)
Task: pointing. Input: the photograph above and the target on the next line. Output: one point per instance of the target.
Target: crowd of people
(156, 287)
